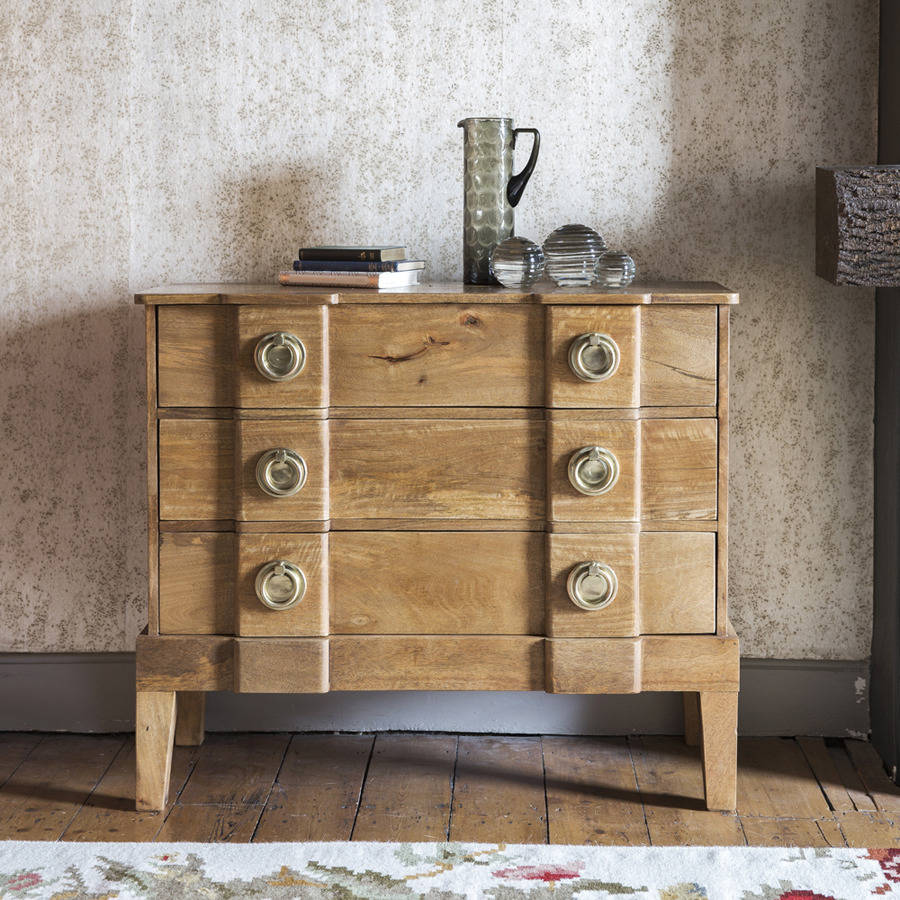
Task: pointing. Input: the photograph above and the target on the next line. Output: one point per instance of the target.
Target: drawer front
(256, 553)
(619, 327)
(195, 356)
(436, 583)
(208, 584)
(666, 469)
(641, 356)
(207, 356)
(196, 469)
(196, 583)
(259, 443)
(657, 469)
(664, 583)
(439, 355)
(308, 327)
(679, 355)
(456, 469)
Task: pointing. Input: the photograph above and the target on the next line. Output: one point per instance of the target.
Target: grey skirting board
(94, 692)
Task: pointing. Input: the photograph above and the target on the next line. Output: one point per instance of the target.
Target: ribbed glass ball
(615, 269)
(571, 254)
(517, 262)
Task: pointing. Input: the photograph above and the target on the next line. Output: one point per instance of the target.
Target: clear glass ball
(571, 254)
(615, 269)
(517, 262)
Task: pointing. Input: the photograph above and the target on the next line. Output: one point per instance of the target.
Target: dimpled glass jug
(490, 190)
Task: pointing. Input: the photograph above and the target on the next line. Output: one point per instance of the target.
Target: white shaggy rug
(73, 871)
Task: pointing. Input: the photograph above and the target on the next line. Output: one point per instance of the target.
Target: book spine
(338, 279)
(349, 255)
(339, 265)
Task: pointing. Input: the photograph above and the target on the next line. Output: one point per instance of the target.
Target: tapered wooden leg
(153, 735)
(189, 730)
(691, 703)
(718, 726)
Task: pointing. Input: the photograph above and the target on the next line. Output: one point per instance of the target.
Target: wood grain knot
(427, 344)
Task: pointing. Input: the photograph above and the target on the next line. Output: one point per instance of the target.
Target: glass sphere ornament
(517, 262)
(615, 269)
(571, 255)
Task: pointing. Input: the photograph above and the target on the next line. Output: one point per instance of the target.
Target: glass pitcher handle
(516, 184)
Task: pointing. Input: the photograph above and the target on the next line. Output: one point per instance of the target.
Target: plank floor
(435, 787)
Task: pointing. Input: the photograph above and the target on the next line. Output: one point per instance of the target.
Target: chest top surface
(661, 292)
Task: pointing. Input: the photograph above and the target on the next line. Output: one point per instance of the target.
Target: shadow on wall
(73, 434)
(72, 482)
(739, 207)
(264, 218)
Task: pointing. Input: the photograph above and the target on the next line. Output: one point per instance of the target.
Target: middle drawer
(499, 473)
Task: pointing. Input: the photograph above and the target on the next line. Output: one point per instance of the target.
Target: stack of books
(369, 267)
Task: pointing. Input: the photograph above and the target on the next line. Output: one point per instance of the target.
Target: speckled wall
(143, 143)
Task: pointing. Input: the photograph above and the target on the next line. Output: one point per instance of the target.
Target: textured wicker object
(858, 225)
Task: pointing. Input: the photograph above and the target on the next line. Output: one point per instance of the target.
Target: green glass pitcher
(490, 190)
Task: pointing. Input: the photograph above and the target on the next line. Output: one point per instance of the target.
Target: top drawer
(442, 355)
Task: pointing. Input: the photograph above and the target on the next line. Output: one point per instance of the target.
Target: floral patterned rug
(71, 871)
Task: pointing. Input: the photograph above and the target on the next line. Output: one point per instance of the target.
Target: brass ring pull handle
(593, 356)
(280, 584)
(593, 470)
(281, 472)
(592, 585)
(280, 356)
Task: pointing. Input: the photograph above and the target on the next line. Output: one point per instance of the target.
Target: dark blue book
(338, 265)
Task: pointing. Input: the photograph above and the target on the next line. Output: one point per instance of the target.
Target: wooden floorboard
(408, 789)
(316, 795)
(870, 829)
(498, 791)
(850, 777)
(434, 787)
(884, 793)
(108, 813)
(765, 831)
(670, 780)
(592, 793)
(237, 769)
(774, 781)
(49, 787)
(211, 823)
(820, 761)
(14, 750)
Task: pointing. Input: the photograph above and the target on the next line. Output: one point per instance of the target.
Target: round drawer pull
(593, 470)
(593, 356)
(281, 472)
(280, 356)
(592, 585)
(280, 584)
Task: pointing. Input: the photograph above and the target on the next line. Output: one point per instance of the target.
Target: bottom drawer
(430, 583)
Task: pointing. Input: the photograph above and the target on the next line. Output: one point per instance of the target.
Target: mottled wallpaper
(168, 141)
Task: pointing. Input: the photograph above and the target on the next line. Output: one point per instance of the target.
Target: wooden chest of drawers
(437, 488)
